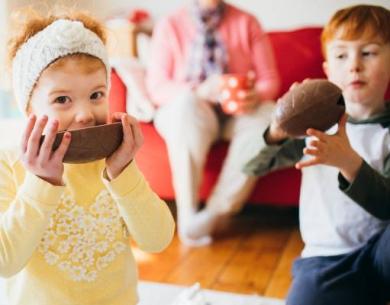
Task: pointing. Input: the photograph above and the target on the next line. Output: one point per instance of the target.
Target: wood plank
(251, 254)
(156, 267)
(204, 264)
(253, 264)
(281, 279)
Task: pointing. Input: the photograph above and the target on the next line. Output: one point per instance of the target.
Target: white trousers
(189, 127)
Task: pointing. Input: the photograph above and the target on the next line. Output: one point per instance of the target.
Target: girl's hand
(41, 160)
(334, 150)
(132, 141)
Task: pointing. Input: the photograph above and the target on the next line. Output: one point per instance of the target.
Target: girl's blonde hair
(27, 22)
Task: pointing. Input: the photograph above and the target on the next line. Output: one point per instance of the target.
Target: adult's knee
(186, 120)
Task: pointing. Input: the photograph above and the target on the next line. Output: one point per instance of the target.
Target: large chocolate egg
(316, 103)
(91, 143)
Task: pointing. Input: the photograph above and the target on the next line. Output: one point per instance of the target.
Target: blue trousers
(361, 277)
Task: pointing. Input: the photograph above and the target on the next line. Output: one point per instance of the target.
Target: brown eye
(341, 56)
(62, 99)
(96, 95)
(368, 53)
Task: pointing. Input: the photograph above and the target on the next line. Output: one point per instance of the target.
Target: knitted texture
(61, 38)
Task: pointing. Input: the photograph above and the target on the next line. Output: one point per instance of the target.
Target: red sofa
(298, 55)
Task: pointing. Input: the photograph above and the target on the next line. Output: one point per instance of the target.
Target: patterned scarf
(207, 54)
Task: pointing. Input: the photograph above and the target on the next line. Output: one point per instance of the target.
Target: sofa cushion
(133, 73)
(298, 55)
(152, 159)
(117, 97)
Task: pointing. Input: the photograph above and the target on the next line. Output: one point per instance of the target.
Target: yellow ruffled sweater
(70, 244)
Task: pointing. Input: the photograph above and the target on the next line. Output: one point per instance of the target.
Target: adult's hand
(210, 89)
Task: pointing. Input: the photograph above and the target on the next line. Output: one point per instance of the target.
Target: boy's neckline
(380, 118)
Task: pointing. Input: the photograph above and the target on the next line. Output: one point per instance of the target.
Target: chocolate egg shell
(91, 143)
(316, 103)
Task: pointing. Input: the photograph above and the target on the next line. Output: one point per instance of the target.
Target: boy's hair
(29, 22)
(356, 22)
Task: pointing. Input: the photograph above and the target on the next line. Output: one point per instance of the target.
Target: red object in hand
(138, 16)
(233, 91)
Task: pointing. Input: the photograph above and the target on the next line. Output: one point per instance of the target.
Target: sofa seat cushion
(278, 188)
(298, 57)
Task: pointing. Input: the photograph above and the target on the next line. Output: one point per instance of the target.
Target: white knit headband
(62, 37)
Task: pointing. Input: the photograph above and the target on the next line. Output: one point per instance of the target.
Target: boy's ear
(325, 68)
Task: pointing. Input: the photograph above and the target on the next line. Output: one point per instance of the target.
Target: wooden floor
(252, 254)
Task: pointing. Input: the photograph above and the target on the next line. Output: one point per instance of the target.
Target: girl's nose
(84, 115)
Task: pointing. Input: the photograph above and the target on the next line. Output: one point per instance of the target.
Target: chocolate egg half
(91, 143)
(316, 103)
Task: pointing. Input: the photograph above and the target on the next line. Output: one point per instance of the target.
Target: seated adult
(192, 50)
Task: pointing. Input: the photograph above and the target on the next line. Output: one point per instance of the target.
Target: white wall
(282, 14)
(3, 39)
(274, 14)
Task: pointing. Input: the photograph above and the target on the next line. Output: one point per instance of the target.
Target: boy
(345, 193)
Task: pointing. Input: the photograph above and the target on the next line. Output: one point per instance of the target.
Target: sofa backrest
(298, 55)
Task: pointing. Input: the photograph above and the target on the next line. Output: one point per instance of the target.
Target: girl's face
(74, 91)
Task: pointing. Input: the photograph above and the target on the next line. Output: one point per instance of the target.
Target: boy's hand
(296, 84)
(41, 160)
(274, 134)
(334, 150)
(132, 141)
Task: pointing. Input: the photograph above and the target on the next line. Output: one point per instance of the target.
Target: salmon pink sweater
(247, 45)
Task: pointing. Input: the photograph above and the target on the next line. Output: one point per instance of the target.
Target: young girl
(64, 228)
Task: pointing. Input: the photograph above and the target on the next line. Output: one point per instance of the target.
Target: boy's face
(72, 93)
(361, 68)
